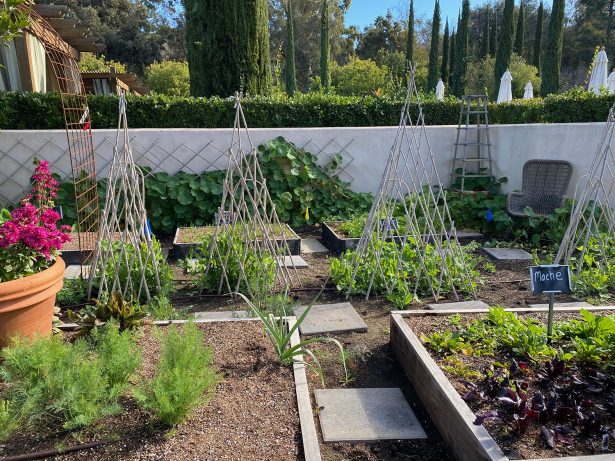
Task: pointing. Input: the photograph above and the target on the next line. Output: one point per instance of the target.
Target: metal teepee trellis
(247, 223)
(124, 252)
(410, 184)
(592, 216)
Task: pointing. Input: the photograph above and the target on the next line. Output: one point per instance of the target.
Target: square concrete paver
(222, 315)
(297, 261)
(366, 415)
(330, 318)
(460, 306)
(312, 246)
(508, 254)
(576, 304)
(469, 235)
(73, 271)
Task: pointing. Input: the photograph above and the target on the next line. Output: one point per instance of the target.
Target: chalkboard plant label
(550, 279)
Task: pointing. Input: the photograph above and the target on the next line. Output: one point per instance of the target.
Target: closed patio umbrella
(440, 90)
(600, 72)
(529, 91)
(505, 93)
(610, 83)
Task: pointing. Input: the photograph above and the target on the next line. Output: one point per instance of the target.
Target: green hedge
(43, 111)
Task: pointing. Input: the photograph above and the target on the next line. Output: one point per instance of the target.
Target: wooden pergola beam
(51, 11)
(86, 44)
(61, 23)
(77, 32)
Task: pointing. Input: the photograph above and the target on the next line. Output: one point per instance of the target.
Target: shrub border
(43, 111)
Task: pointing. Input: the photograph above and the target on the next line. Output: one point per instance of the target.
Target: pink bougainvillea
(44, 186)
(30, 239)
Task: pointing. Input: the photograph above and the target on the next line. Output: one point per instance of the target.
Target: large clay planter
(26, 304)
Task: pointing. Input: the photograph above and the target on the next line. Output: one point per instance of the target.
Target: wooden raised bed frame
(182, 250)
(451, 415)
(338, 244)
(334, 242)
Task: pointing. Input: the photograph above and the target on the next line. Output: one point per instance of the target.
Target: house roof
(131, 80)
(70, 30)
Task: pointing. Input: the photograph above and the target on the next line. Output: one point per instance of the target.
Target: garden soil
(251, 416)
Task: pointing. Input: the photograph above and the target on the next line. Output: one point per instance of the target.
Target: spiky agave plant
(280, 332)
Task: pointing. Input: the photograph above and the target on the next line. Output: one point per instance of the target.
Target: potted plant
(31, 271)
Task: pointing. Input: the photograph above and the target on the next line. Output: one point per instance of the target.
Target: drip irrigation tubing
(63, 451)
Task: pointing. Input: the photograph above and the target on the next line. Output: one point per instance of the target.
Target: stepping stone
(461, 235)
(508, 254)
(366, 415)
(297, 261)
(73, 271)
(312, 246)
(460, 306)
(330, 318)
(222, 315)
(577, 304)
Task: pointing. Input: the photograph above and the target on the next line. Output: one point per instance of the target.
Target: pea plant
(398, 283)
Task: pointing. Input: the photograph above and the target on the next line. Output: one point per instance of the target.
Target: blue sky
(363, 12)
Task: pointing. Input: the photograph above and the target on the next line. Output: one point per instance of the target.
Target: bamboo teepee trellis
(592, 214)
(124, 252)
(247, 215)
(411, 182)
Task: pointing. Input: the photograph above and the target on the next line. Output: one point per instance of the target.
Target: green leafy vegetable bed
(536, 400)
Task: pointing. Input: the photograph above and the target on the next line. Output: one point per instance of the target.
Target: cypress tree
(553, 50)
(536, 58)
(195, 53)
(493, 33)
(410, 41)
(432, 76)
(458, 86)
(484, 48)
(502, 57)
(451, 57)
(291, 80)
(228, 47)
(520, 32)
(444, 68)
(325, 45)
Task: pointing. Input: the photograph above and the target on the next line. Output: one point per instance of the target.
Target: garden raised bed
(338, 243)
(448, 410)
(333, 239)
(276, 424)
(187, 239)
(72, 254)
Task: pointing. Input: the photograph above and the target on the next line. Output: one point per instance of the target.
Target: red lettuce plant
(30, 239)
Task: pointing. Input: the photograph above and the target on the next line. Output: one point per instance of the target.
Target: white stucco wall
(364, 150)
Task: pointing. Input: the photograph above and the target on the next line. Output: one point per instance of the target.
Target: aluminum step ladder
(472, 157)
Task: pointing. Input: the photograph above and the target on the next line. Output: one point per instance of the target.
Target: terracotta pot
(26, 304)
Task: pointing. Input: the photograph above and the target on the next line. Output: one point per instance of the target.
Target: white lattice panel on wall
(191, 151)
(364, 150)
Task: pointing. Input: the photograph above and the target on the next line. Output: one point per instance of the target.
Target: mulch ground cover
(251, 416)
(371, 362)
(598, 402)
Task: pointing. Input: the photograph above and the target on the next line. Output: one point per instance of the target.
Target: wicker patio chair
(544, 184)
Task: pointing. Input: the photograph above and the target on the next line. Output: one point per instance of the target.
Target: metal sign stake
(550, 319)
